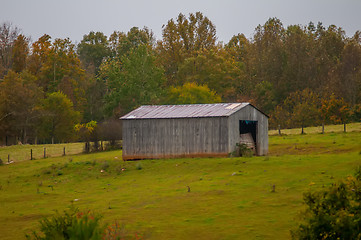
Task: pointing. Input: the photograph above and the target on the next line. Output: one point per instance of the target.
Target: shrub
(105, 165)
(76, 225)
(334, 213)
(139, 166)
(242, 150)
(72, 224)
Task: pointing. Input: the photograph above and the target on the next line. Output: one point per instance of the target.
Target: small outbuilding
(194, 130)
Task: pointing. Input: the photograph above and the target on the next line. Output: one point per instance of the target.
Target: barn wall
(182, 137)
(251, 114)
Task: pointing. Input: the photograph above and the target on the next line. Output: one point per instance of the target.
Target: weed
(105, 165)
(139, 166)
(119, 169)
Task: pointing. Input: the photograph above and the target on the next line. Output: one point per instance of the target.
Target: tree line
(298, 75)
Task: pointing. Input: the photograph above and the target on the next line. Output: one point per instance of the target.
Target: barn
(194, 130)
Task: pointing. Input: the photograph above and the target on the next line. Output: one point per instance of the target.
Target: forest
(51, 89)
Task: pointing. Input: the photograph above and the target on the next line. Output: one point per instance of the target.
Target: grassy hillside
(229, 198)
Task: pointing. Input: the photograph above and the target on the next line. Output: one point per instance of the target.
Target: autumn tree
(348, 80)
(335, 110)
(299, 109)
(58, 68)
(19, 95)
(191, 93)
(86, 132)
(182, 38)
(20, 53)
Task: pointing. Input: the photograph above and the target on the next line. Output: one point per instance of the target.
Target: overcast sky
(74, 18)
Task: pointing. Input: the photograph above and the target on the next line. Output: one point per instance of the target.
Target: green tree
(191, 93)
(132, 81)
(265, 96)
(58, 118)
(267, 60)
(333, 213)
(214, 69)
(92, 50)
(121, 43)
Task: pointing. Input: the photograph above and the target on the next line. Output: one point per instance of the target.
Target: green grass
(351, 127)
(20, 153)
(229, 198)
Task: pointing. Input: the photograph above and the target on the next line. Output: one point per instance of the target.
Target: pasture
(229, 198)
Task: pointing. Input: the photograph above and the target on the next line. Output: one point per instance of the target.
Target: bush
(76, 225)
(334, 213)
(242, 150)
(139, 166)
(73, 224)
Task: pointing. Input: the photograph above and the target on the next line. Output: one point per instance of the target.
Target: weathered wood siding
(251, 114)
(179, 137)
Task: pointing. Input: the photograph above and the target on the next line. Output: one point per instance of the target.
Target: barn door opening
(248, 134)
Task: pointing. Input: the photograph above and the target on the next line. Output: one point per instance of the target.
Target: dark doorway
(249, 127)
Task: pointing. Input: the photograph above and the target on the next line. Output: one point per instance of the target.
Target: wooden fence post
(44, 152)
(31, 154)
(64, 151)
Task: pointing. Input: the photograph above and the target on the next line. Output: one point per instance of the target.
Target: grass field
(230, 198)
(19, 153)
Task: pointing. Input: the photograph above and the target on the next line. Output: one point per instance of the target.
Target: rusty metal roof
(184, 111)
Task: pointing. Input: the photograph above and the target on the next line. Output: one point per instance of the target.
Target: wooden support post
(44, 152)
(31, 154)
(279, 129)
(64, 151)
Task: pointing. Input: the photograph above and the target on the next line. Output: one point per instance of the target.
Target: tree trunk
(279, 130)
(323, 128)
(52, 140)
(344, 127)
(302, 130)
